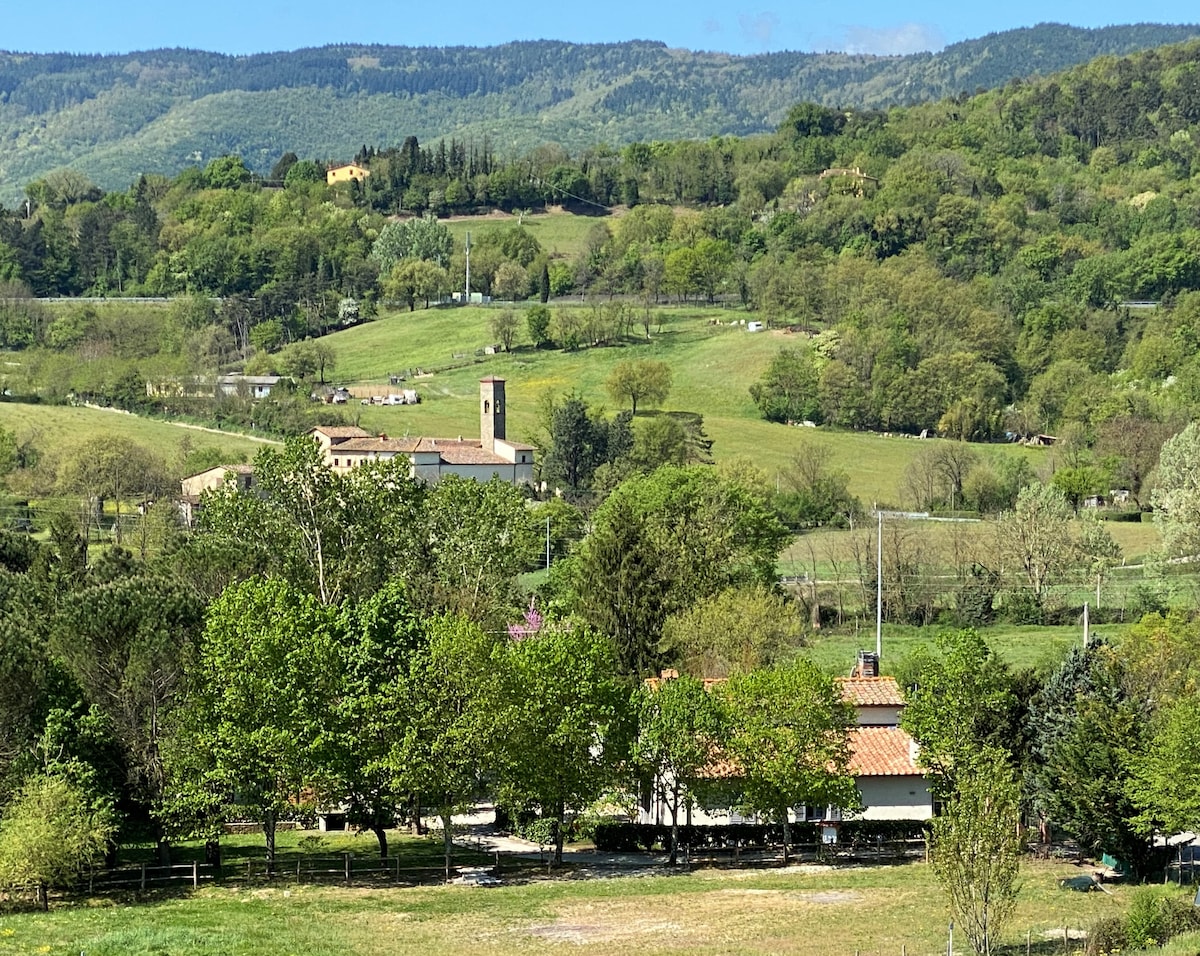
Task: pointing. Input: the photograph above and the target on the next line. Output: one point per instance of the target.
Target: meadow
(561, 235)
(58, 428)
(810, 910)
(713, 367)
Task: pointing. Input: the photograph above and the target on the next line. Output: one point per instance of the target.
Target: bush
(1021, 607)
(1106, 936)
(1155, 915)
(52, 831)
(1146, 598)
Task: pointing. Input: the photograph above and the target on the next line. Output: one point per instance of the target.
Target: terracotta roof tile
(341, 431)
(871, 691)
(464, 452)
(381, 443)
(882, 752)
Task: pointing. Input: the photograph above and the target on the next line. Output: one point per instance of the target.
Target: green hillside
(713, 367)
(59, 428)
(115, 117)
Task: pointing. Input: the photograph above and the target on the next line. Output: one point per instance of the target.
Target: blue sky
(869, 26)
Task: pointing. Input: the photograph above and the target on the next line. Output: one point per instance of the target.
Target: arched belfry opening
(491, 414)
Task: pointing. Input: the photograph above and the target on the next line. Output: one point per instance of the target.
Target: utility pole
(879, 589)
(467, 290)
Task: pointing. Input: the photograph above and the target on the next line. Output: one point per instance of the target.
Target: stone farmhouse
(193, 486)
(491, 455)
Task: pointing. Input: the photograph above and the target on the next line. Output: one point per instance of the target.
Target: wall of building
(895, 798)
(873, 715)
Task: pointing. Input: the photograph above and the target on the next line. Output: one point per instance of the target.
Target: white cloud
(892, 41)
(759, 29)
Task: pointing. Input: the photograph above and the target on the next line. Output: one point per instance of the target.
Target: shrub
(1106, 936)
(1021, 607)
(1156, 914)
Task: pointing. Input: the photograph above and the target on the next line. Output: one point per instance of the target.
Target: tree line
(965, 266)
(360, 640)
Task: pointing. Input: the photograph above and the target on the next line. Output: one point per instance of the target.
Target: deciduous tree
(789, 738)
(1177, 494)
(976, 849)
(268, 676)
(681, 726)
(640, 380)
(451, 693)
(565, 719)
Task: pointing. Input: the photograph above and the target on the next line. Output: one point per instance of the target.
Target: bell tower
(491, 412)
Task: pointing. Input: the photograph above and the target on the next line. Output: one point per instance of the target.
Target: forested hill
(114, 117)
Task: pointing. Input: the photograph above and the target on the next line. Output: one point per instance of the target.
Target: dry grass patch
(815, 911)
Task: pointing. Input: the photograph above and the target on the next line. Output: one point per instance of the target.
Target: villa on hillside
(347, 172)
(491, 455)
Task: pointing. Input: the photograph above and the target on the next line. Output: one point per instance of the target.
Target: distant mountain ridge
(116, 116)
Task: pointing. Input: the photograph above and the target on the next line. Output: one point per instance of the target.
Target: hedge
(629, 837)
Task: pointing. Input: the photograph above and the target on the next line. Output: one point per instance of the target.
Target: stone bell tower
(491, 412)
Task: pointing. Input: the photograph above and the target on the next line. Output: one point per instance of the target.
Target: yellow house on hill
(346, 173)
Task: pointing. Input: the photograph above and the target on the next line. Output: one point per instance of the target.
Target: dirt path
(217, 431)
(199, 428)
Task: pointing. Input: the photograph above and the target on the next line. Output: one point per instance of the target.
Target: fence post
(249, 864)
(397, 869)
(347, 859)
(143, 876)
(298, 859)
(195, 874)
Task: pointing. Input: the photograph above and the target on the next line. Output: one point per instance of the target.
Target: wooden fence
(344, 867)
(145, 876)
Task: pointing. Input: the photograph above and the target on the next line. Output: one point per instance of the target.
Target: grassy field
(1038, 646)
(836, 553)
(559, 234)
(713, 366)
(812, 911)
(60, 426)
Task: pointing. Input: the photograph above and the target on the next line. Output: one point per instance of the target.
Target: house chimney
(867, 665)
(491, 412)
